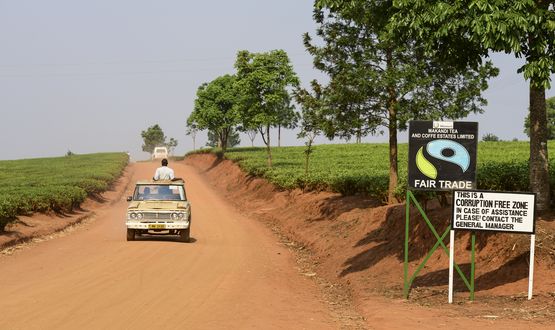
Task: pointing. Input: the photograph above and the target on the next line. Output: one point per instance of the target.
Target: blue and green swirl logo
(436, 149)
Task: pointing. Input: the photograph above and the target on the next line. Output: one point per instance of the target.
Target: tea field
(364, 168)
(54, 184)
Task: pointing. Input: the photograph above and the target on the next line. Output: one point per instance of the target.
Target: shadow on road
(158, 238)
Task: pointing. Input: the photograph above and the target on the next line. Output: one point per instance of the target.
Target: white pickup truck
(160, 153)
(159, 208)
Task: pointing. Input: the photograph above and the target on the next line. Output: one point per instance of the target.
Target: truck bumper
(157, 225)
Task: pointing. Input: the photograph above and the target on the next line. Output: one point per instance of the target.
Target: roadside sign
(494, 211)
(442, 155)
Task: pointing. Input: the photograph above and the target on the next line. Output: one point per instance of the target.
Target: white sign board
(494, 211)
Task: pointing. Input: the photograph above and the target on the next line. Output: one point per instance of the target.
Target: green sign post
(442, 157)
(409, 278)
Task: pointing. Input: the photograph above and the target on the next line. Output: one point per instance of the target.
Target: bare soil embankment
(357, 244)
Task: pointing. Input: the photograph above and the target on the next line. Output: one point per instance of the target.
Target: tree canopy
(192, 130)
(312, 119)
(550, 108)
(490, 137)
(233, 139)
(264, 81)
(379, 79)
(462, 32)
(171, 144)
(216, 108)
(153, 137)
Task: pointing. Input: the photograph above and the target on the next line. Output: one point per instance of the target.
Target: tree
(263, 80)
(380, 80)
(216, 109)
(311, 119)
(171, 144)
(153, 137)
(349, 91)
(252, 135)
(287, 118)
(462, 32)
(233, 139)
(247, 127)
(192, 130)
(490, 137)
(550, 105)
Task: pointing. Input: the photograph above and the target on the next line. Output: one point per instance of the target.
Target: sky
(89, 76)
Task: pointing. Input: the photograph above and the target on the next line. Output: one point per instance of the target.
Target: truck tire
(184, 235)
(130, 234)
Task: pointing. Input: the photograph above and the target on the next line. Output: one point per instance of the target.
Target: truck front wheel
(130, 234)
(184, 235)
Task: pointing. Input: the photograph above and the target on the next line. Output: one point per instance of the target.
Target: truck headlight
(139, 216)
(132, 216)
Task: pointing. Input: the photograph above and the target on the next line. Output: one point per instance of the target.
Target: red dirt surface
(260, 258)
(356, 244)
(233, 275)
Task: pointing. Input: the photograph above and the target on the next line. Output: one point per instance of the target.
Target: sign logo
(442, 155)
(446, 150)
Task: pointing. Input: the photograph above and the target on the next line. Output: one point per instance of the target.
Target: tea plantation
(364, 168)
(54, 184)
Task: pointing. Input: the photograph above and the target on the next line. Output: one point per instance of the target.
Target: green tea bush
(54, 184)
(364, 168)
(508, 176)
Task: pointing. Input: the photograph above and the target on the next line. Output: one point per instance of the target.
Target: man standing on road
(163, 172)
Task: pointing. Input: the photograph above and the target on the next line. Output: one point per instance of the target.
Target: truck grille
(156, 215)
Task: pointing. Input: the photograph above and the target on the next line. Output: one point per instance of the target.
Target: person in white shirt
(163, 172)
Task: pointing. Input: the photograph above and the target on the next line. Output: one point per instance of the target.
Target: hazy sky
(89, 76)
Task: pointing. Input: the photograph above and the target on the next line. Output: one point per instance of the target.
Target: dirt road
(234, 275)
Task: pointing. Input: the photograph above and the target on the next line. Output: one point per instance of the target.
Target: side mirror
(129, 198)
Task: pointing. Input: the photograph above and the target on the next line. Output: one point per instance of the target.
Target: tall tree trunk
(539, 165)
(269, 151)
(393, 166)
(263, 135)
(307, 155)
(221, 138)
(226, 137)
(392, 127)
(279, 135)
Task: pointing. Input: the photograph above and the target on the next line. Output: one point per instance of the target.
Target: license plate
(156, 226)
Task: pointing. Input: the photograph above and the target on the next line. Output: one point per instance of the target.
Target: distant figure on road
(163, 172)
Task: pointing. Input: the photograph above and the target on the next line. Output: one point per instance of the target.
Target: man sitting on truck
(163, 172)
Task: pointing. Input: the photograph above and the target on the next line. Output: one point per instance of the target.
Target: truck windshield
(158, 192)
